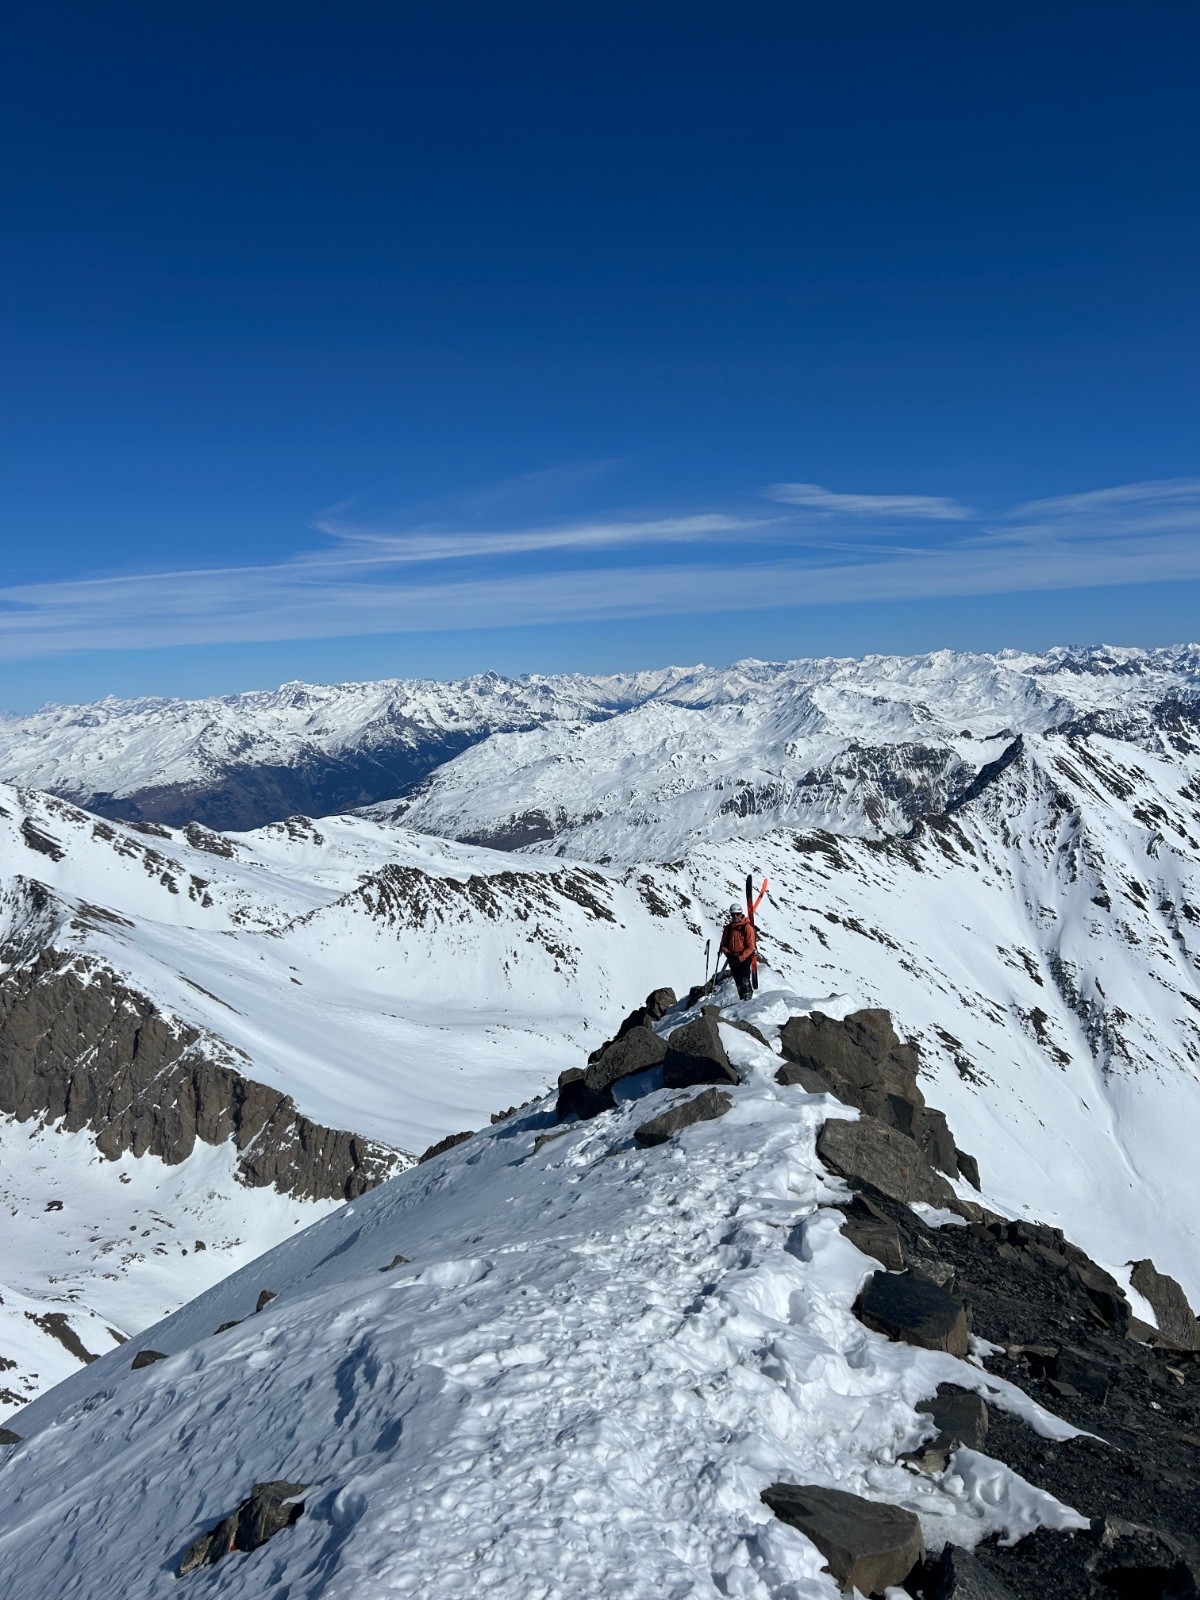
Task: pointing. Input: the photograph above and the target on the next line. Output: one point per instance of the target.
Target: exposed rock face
(867, 1151)
(864, 1064)
(704, 1107)
(635, 1047)
(266, 1511)
(956, 1575)
(867, 1546)
(1176, 1319)
(445, 1144)
(961, 1418)
(695, 1054)
(77, 1044)
(146, 1358)
(905, 1306)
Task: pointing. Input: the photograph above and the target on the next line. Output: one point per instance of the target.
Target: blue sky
(381, 340)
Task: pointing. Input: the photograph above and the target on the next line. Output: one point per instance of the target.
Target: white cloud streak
(369, 583)
(883, 507)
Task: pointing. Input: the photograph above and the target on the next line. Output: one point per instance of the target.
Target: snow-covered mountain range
(217, 1037)
(686, 753)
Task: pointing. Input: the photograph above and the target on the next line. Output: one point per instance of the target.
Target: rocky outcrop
(80, 1047)
(268, 1509)
(867, 1546)
(586, 1092)
(704, 1107)
(695, 1054)
(908, 1307)
(1176, 1319)
(956, 1575)
(861, 1061)
(868, 1152)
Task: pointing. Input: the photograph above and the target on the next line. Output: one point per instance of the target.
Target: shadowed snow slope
(579, 1382)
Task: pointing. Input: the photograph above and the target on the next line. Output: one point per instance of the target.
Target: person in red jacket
(738, 946)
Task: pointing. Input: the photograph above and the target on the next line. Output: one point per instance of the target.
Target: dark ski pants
(742, 970)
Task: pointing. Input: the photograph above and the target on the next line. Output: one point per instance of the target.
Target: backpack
(739, 939)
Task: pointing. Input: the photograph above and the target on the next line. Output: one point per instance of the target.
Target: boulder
(659, 1002)
(910, 1308)
(266, 1511)
(705, 1107)
(577, 1098)
(873, 1232)
(636, 1051)
(956, 1575)
(960, 1415)
(961, 1418)
(8, 1437)
(861, 1061)
(695, 1054)
(867, 1546)
(1176, 1320)
(868, 1151)
(585, 1094)
(265, 1296)
(146, 1358)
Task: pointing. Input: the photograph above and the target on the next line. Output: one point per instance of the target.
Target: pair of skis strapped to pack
(752, 905)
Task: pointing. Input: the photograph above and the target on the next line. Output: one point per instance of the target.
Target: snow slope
(579, 1382)
(400, 987)
(858, 747)
(685, 753)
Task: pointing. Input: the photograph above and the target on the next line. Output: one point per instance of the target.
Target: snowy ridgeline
(534, 1367)
(632, 767)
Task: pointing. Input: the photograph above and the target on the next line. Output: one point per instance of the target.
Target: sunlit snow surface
(593, 1361)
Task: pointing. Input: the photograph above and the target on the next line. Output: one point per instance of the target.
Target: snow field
(593, 1362)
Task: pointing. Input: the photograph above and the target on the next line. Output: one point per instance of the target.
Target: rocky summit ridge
(691, 1335)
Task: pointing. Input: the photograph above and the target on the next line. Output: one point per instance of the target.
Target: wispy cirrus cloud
(372, 580)
(881, 507)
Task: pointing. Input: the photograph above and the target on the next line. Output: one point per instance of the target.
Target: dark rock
(862, 1062)
(265, 1297)
(445, 1144)
(908, 1307)
(704, 1107)
(146, 1358)
(869, 1151)
(1083, 1372)
(83, 1049)
(871, 1231)
(636, 1051)
(867, 1546)
(968, 1168)
(396, 1261)
(266, 1511)
(587, 1093)
(1176, 1320)
(234, 1322)
(955, 1575)
(8, 1437)
(696, 993)
(695, 1054)
(961, 1418)
(659, 1002)
(1105, 1296)
(577, 1098)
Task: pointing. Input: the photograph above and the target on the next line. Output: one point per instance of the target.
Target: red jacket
(738, 939)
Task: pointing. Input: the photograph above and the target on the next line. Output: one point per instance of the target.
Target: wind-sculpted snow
(532, 1368)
